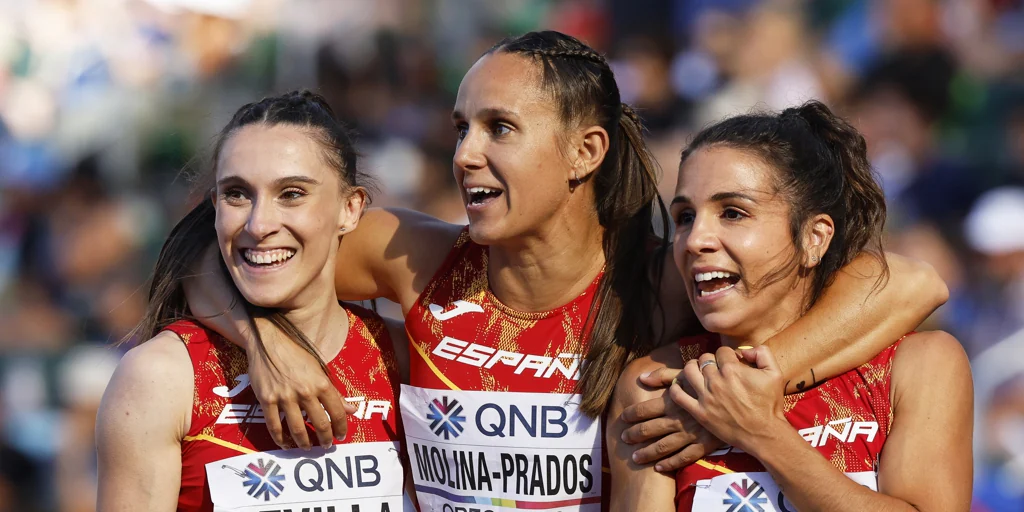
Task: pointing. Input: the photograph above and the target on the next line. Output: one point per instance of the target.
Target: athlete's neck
(764, 325)
(544, 271)
(318, 314)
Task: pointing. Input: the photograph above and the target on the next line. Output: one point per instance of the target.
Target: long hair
(620, 322)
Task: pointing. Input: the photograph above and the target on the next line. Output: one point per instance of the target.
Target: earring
(342, 229)
(814, 259)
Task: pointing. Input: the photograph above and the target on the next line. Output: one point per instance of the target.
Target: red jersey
(230, 462)
(846, 418)
(491, 413)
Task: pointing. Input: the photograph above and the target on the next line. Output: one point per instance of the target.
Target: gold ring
(705, 363)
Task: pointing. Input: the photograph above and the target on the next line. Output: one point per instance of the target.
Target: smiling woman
(179, 427)
(768, 209)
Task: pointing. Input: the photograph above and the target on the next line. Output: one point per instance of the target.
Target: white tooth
(262, 259)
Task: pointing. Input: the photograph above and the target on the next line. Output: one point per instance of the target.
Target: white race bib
(357, 477)
(482, 451)
(754, 492)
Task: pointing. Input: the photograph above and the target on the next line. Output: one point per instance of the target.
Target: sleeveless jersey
(229, 462)
(846, 418)
(491, 416)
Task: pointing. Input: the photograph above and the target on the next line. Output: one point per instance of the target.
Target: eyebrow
(490, 112)
(284, 180)
(720, 196)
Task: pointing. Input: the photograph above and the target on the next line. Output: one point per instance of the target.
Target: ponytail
(620, 321)
(821, 166)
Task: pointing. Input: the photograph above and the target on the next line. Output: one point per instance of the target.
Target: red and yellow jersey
(846, 418)
(230, 462)
(491, 412)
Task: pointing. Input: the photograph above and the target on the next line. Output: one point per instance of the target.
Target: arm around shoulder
(145, 412)
(857, 316)
(392, 253)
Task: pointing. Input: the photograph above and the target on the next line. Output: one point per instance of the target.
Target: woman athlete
(522, 321)
(179, 427)
(769, 208)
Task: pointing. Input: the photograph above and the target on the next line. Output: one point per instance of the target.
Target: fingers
(660, 378)
(662, 448)
(764, 359)
(708, 365)
(273, 417)
(296, 425)
(643, 411)
(651, 429)
(688, 455)
(693, 377)
(337, 410)
(683, 399)
(321, 422)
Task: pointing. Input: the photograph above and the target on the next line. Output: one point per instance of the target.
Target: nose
(263, 220)
(702, 236)
(469, 154)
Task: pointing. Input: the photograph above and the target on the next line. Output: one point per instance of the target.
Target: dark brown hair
(620, 321)
(821, 166)
(195, 232)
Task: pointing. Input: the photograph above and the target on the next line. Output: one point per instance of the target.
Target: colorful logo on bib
(264, 480)
(445, 418)
(745, 497)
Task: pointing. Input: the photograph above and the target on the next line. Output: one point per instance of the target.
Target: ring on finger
(705, 363)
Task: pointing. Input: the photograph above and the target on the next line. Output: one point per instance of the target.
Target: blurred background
(103, 103)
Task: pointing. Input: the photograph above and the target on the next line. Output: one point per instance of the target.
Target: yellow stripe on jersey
(426, 359)
(221, 442)
(714, 467)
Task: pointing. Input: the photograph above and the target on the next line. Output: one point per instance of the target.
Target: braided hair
(621, 320)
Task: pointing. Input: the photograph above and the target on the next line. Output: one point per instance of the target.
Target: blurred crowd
(106, 105)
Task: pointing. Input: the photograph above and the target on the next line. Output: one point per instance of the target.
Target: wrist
(772, 439)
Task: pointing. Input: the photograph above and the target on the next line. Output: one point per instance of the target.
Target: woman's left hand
(741, 405)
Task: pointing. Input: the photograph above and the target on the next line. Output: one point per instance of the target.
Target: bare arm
(635, 487)
(854, 319)
(143, 417)
(929, 412)
(391, 254)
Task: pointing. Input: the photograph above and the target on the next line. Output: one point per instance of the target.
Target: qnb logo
(264, 480)
(844, 431)
(446, 418)
(746, 497)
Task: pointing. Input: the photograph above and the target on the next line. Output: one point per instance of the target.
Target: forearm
(214, 302)
(811, 483)
(856, 317)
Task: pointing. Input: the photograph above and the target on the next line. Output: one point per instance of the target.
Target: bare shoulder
(158, 371)
(933, 361)
(930, 351)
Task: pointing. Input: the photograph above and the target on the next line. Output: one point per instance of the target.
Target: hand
(292, 383)
(678, 439)
(737, 403)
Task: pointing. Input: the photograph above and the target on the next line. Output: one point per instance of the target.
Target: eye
(685, 217)
(234, 196)
(500, 129)
(733, 214)
(461, 130)
(293, 194)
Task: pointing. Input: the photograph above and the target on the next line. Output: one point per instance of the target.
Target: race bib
(481, 451)
(358, 477)
(754, 492)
